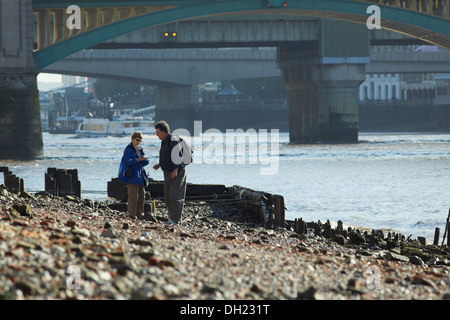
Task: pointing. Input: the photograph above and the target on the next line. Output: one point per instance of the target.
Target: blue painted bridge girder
(432, 29)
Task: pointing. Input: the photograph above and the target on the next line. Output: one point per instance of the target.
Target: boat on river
(64, 125)
(125, 125)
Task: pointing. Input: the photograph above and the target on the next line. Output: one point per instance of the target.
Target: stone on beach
(79, 249)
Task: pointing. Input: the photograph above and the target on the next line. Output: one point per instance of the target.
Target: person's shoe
(171, 222)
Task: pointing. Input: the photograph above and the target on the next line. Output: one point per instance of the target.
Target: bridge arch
(426, 27)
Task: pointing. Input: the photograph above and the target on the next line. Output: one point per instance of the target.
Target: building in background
(388, 87)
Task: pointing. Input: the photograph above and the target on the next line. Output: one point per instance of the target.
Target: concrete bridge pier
(20, 122)
(323, 102)
(323, 79)
(20, 119)
(176, 105)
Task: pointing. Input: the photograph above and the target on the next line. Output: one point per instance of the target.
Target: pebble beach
(58, 248)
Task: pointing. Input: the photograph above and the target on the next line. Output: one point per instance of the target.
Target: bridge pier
(176, 105)
(323, 102)
(323, 81)
(20, 122)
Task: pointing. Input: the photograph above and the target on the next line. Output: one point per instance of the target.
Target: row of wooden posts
(11, 182)
(58, 182)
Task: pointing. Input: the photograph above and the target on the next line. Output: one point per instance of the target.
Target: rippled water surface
(397, 181)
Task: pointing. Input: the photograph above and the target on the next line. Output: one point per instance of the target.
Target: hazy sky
(49, 77)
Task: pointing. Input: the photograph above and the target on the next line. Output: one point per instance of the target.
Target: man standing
(174, 174)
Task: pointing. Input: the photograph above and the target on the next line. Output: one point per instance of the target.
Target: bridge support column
(20, 122)
(176, 106)
(323, 81)
(323, 102)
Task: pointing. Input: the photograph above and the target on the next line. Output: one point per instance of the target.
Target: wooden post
(74, 174)
(5, 171)
(279, 210)
(422, 240)
(64, 183)
(13, 183)
(318, 228)
(117, 190)
(448, 234)
(327, 229)
(61, 182)
(50, 184)
(436, 236)
(78, 188)
(300, 226)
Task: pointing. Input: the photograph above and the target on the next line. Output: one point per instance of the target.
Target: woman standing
(133, 174)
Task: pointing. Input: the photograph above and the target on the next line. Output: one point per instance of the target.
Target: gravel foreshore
(54, 248)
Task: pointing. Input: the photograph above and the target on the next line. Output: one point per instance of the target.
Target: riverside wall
(404, 116)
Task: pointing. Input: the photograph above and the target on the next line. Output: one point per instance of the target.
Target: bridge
(188, 67)
(184, 67)
(105, 19)
(322, 63)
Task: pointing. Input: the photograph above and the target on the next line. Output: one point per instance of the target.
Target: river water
(393, 181)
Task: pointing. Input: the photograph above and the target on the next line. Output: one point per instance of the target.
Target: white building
(381, 87)
(386, 87)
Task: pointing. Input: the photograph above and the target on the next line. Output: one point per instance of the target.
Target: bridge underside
(224, 32)
(286, 29)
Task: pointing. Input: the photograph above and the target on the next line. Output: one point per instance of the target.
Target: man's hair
(163, 126)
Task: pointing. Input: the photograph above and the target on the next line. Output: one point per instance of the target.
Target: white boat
(124, 126)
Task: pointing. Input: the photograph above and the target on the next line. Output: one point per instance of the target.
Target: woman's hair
(136, 134)
(163, 126)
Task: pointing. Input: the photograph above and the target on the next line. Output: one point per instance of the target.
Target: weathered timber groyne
(268, 209)
(12, 183)
(58, 182)
(62, 182)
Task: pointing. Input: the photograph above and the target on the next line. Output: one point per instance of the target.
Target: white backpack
(182, 153)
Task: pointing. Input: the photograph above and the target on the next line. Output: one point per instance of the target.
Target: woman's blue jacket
(129, 159)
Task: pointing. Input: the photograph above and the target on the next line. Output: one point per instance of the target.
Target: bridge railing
(439, 8)
(51, 24)
(243, 54)
(178, 54)
(404, 56)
